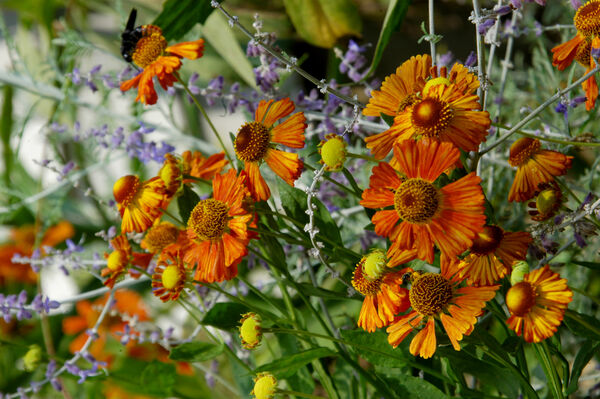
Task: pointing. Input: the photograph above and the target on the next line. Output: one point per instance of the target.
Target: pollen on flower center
(407, 102)
(430, 117)
(362, 283)
(374, 265)
(522, 149)
(520, 298)
(252, 142)
(587, 18)
(429, 293)
(170, 277)
(125, 189)
(209, 219)
(149, 47)
(487, 241)
(416, 201)
(159, 236)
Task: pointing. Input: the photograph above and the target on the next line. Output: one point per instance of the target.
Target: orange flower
(439, 296)
(548, 201)
(157, 59)
(120, 260)
(160, 236)
(22, 242)
(534, 167)
(492, 255)
(169, 276)
(255, 143)
(217, 235)
(384, 296)
(126, 302)
(449, 217)
(443, 107)
(194, 164)
(537, 304)
(139, 204)
(587, 22)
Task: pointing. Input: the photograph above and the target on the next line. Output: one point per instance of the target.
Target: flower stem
(205, 115)
(298, 394)
(545, 359)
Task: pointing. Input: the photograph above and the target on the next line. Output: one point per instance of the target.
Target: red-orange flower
(217, 230)
(118, 262)
(492, 255)
(160, 236)
(534, 167)
(194, 164)
(587, 22)
(537, 304)
(22, 242)
(255, 142)
(169, 276)
(448, 216)
(384, 296)
(140, 203)
(157, 59)
(439, 296)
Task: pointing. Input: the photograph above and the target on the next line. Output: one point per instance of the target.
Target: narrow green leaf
(186, 202)
(196, 351)
(582, 325)
(219, 35)
(382, 353)
(585, 354)
(589, 265)
(288, 365)
(323, 22)
(158, 379)
(6, 123)
(310, 290)
(225, 315)
(388, 119)
(393, 19)
(407, 386)
(179, 16)
(353, 183)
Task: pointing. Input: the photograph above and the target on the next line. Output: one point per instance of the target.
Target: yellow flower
(264, 386)
(333, 152)
(250, 330)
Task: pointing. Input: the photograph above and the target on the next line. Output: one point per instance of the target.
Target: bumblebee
(132, 35)
(410, 277)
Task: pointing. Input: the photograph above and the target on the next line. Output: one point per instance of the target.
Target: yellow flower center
(170, 277)
(430, 117)
(487, 241)
(429, 293)
(374, 265)
(250, 330)
(583, 53)
(363, 283)
(117, 260)
(252, 142)
(587, 18)
(520, 298)
(125, 189)
(151, 46)
(158, 237)
(333, 153)
(440, 80)
(209, 219)
(264, 386)
(523, 149)
(416, 201)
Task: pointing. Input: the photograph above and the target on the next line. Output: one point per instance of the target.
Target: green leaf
(186, 202)
(311, 290)
(353, 183)
(381, 353)
(388, 119)
(6, 123)
(301, 381)
(219, 35)
(158, 379)
(225, 315)
(288, 365)
(589, 265)
(582, 325)
(196, 351)
(178, 17)
(406, 386)
(393, 19)
(323, 22)
(585, 354)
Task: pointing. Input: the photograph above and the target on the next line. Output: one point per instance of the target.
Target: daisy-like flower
(250, 330)
(169, 276)
(547, 202)
(152, 54)
(537, 304)
(384, 296)
(535, 166)
(118, 262)
(443, 107)
(217, 230)
(448, 216)
(333, 152)
(139, 203)
(265, 385)
(587, 23)
(255, 142)
(196, 165)
(492, 255)
(160, 236)
(439, 297)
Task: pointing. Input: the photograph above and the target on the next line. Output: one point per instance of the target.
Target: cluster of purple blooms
(16, 305)
(52, 256)
(93, 77)
(353, 60)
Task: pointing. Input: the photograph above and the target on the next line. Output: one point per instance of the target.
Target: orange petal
(191, 50)
(564, 54)
(286, 165)
(268, 112)
(424, 343)
(256, 184)
(290, 132)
